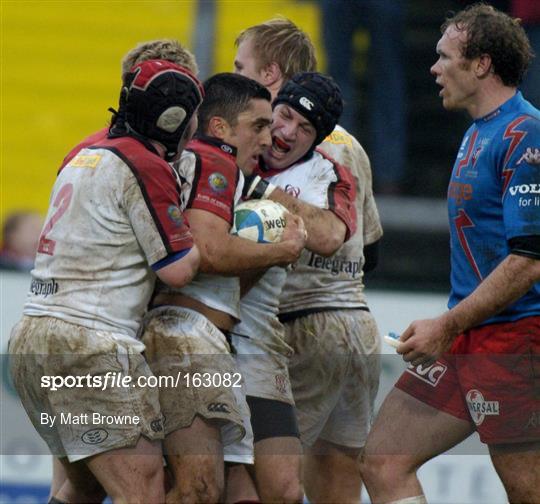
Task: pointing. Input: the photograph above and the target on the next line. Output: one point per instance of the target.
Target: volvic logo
(525, 189)
(307, 104)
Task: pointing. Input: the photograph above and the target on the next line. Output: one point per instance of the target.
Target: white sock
(419, 499)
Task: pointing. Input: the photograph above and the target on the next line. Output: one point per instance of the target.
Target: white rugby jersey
(211, 182)
(336, 281)
(318, 181)
(114, 211)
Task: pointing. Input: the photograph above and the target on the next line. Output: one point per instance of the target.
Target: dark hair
(493, 32)
(227, 95)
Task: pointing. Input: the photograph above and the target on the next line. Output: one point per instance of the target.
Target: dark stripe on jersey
(293, 315)
(196, 177)
(153, 213)
(236, 187)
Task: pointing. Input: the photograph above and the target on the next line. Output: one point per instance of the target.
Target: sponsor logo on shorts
(431, 374)
(281, 383)
(175, 214)
(534, 420)
(95, 436)
(218, 408)
(156, 425)
(218, 182)
(307, 104)
(479, 408)
(44, 288)
(531, 156)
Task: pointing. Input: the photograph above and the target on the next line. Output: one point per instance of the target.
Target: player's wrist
(255, 187)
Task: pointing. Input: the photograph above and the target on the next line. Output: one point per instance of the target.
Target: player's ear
(483, 66)
(218, 127)
(270, 74)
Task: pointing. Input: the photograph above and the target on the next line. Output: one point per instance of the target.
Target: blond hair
(166, 49)
(280, 40)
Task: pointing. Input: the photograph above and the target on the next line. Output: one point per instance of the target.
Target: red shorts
(491, 376)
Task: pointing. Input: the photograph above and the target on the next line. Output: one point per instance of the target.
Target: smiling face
(454, 73)
(292, 137)
(251, 134)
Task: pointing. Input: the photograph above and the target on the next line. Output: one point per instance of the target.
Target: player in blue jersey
(477, 366)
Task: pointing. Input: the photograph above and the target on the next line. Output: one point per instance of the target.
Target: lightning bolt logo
(516, 137)
(462, 221)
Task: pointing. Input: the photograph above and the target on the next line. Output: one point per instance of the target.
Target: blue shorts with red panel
(490, 377)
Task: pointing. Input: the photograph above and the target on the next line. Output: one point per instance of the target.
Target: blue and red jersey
(494, 197)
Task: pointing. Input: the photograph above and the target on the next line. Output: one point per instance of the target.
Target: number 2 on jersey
(61, 203)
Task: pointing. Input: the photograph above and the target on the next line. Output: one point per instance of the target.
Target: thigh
(278, 467)
(332, 473)
(75, 483)
(518, 466)
(195, 453)
(128, 470)
(408, 427)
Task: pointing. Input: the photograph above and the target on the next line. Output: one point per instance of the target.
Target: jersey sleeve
(365, 199)
(152, 202)
(342, 147)
(214, 185)
(341, 198)
(520, 176)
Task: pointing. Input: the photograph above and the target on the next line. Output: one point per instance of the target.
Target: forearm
(326, 232)
(506, 284)
(233, 255)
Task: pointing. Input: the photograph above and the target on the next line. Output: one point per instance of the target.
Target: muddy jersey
(494, 197)
(336, 281)
(114, 212)
(323, 183)
(259, 310)
(211, 182)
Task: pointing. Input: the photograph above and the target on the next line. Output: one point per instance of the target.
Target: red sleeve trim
(215, 182)
(342, 196)
(159, 189)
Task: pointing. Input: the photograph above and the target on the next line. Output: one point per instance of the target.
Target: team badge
(218, 182)
(175, 214)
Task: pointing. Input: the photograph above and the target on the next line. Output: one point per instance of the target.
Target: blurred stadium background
(60, 71)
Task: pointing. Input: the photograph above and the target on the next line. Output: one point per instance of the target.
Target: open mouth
(280, 146)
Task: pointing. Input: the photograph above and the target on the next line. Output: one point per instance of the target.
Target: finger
(407, 333)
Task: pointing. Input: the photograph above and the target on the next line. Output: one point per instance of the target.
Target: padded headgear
(316, 97)
(160, 98)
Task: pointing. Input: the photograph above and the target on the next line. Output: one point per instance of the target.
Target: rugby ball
(261, 221)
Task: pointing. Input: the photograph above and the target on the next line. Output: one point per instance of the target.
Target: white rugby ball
(261, 221)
